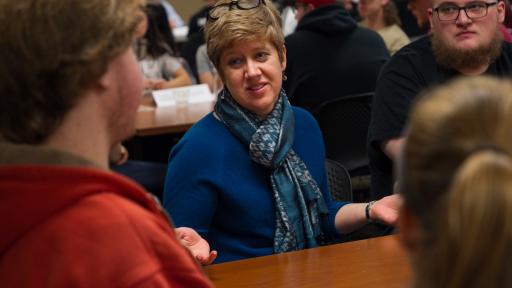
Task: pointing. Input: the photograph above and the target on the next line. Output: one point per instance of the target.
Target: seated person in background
(206, 71)
(351, 7)
(465, 40)
(419, 8)
(197, 21)
(456, 182)
(288, 16)
(155, 51)
(173, 17)
(330, 56)
(250, 176)
(67, 221)
(382, 17)
(195, 35)
(409, 22)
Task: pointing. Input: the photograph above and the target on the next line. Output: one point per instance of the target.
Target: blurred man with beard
(465, 41)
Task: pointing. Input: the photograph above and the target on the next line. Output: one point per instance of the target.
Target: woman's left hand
(386, 209)
(197, 246)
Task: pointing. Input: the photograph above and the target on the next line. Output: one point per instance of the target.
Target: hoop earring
(284, 77)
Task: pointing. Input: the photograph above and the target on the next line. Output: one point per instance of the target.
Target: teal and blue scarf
(298, 200)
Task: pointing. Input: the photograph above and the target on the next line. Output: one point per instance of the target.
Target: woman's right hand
(198, 247)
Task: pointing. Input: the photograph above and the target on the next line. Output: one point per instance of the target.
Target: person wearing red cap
(329, 55)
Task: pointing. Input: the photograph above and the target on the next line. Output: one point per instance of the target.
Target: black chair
(344, 123)
(339, 181)
(340, 187)
(150, 175)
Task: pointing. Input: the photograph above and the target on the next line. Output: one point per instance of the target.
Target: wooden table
(376, 262)
(151, 120)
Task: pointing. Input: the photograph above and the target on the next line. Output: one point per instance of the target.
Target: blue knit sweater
(213, 186)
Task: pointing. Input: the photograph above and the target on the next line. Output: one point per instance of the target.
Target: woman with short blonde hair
(250, 177)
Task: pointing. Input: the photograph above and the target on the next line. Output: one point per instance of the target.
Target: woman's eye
(262, 56)
(234, 62)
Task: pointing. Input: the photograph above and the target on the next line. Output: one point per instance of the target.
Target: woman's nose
(252, 69)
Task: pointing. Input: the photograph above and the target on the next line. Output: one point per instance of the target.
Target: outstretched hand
(197, 246)
(386, 209)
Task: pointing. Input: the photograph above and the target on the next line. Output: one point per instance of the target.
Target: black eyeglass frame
(233, 3)
(487, 5)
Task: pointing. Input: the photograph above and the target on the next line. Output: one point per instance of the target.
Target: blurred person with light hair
(455, 177)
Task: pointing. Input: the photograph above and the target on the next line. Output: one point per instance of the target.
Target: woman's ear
(410, 232)
(283, 62)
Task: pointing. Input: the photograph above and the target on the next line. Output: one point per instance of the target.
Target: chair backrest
(339, 181)
(344, 123)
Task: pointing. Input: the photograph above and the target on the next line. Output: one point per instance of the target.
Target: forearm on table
(178, 82)
(350, 217)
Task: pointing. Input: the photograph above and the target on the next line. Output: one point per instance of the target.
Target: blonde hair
(456, 178)
(52, 50)
(260, 23)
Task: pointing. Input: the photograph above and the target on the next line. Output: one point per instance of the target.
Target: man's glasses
(474, 10)
(216, 11)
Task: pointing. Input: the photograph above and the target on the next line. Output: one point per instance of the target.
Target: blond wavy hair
(456, 179)
(52, 50)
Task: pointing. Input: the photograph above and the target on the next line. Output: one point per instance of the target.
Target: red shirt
(65, 226)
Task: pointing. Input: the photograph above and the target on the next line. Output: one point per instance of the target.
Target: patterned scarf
(298, 200)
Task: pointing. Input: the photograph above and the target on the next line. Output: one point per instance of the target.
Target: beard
(455, 58)
(121, 115)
